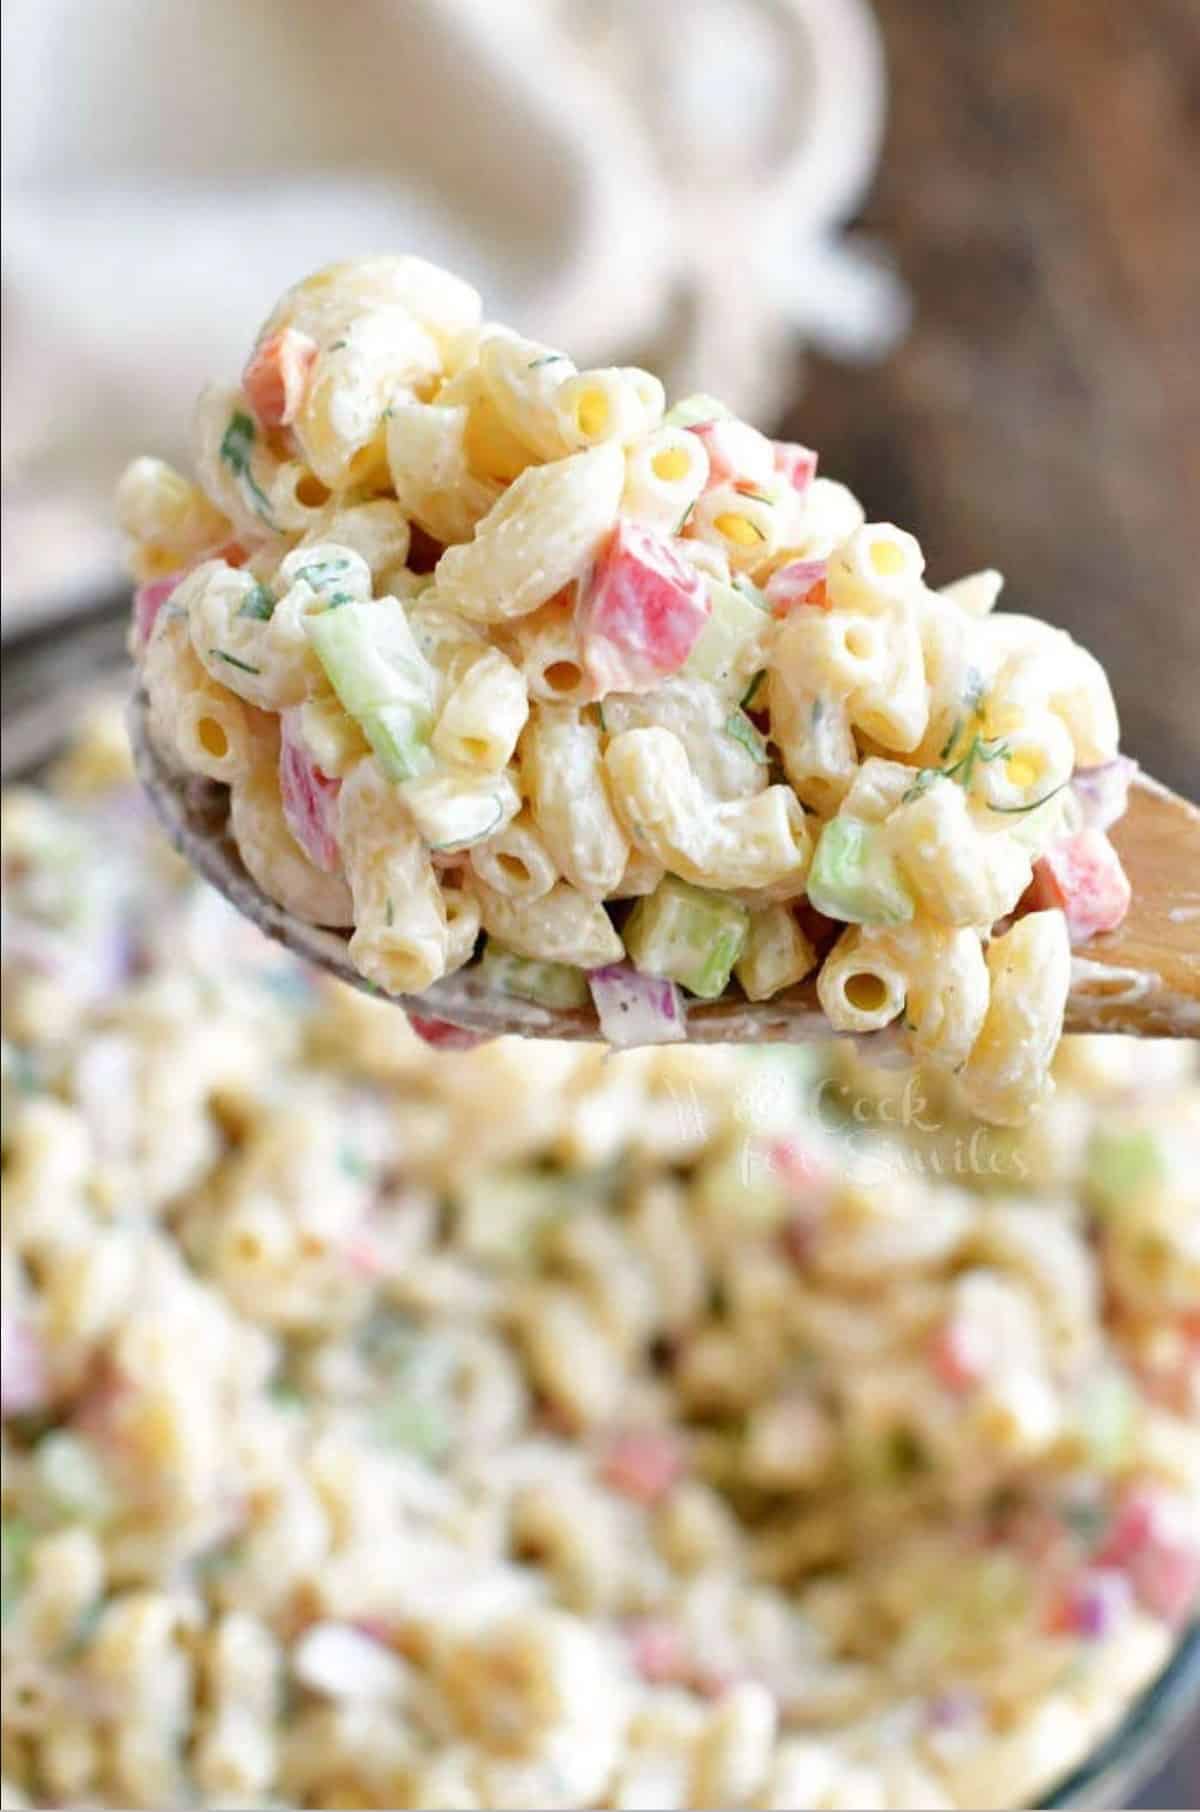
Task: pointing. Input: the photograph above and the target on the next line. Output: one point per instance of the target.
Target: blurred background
(953, 245)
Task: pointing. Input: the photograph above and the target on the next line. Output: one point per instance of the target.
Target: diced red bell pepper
(443, 1036)
(658, 1652)
(309, 798)
(795, 463)
(735, 451)
(959, 1355)
(641, 612)
(148, 600)
(276, 376)
(1082, 877)
(799, 582)
(643, 1464)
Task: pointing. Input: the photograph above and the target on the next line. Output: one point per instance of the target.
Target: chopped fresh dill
(257, 603)
(547, 358)
(236, 445)
(244, 666)
(1033, 804)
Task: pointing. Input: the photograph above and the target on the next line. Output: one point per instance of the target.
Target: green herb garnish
(258, 604)
(236, 446)
(338, 344)
(317, 572)
(389, 915)
(1033, 804)
(243, 666)
(963, 770)
(685, 518)
(547, 358)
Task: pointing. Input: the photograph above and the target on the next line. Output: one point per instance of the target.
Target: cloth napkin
(630, 179)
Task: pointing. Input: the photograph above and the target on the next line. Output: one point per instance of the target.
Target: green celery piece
(853, 878)
(72, 1480)
(719, 653)
(500, 1218)
(373, 663)
(1120, 1165)
(742, 730)
(548, 984)
(683, 934)
(414, 1424)
(16, 1540)
(691, 410)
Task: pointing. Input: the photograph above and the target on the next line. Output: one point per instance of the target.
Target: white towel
(665, 177)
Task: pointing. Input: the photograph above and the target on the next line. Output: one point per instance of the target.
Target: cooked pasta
(429, 539)
(526, 1425)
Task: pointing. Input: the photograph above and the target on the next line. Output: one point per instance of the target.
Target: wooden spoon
(1143, 979)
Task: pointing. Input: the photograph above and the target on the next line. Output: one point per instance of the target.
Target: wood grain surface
(1040, 191)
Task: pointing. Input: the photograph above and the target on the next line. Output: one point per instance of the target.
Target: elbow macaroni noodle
(530, 1425)
(657, 649)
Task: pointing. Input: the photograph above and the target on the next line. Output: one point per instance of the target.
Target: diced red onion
(1094, 1604)
(23, 1385)
(637, 1009)
(1103, 792)
(955, 1709)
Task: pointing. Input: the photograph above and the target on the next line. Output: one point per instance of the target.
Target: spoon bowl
(1143, 979)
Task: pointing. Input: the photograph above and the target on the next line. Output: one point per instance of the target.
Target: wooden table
(1044, 415)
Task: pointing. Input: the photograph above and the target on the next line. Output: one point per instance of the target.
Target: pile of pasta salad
(512, 665)
(531, 1425)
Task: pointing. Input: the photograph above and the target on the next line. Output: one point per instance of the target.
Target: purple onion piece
(637, 1009)
(1103, 792)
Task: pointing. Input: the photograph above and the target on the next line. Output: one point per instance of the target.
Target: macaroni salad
(512, 665)
(529, 1426)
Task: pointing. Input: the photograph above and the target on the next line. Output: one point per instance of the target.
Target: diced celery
(854, 878)
(726, 653)
(373, 663)
(1106, 1419)
(1120, 1165)
(16, 1540)
(688, 936)
(689, 411)
(500, 1218)
(72, 1480)
(738, 726)
(549, 984)
(413, 1423)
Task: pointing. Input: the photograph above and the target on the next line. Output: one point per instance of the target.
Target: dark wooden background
(1041, 192)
